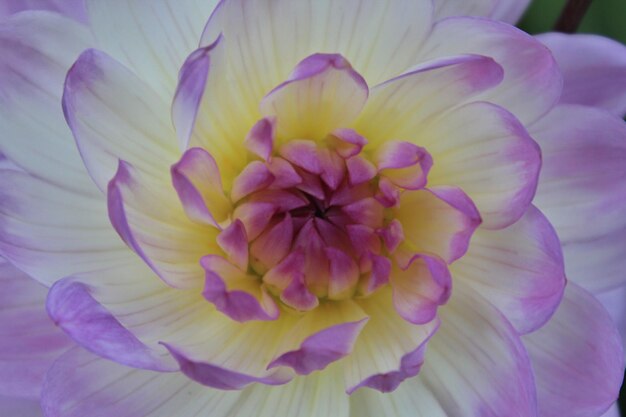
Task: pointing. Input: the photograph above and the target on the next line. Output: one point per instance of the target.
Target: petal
(317, 395)
(272, 245)
(81, 384)
(152, 39)
(399, 107)
(412, 398)
(266, 53)
(476, 364)
(256, 176)
(74, 9)
(594, 70)
(37, 49)
(72, 308)
(582, 190)
(114, 115)
(192, 83)
(577, 357)
(614, 303)
(222, 353)
(209, 111)
(323, 93)
(446, 8)
(145, 213)
(510, 11)
(235, 293)
(388, 350)
(440, 220)
(29, 342)
(260, 139)
(485, 150)
(518, 269)
(198, 183)
(419, 289)
(321, 337)
(19, 407)
(50, 231)
(532, 81)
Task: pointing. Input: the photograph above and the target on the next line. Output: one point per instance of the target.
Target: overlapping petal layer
(324, 203)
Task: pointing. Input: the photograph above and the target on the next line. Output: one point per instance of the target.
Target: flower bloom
(336, 208)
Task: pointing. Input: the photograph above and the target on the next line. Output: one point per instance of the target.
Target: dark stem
(572, 16)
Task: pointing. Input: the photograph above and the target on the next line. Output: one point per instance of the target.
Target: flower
(337, 208)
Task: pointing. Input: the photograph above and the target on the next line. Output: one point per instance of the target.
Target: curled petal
(389, 349)
(421, 288)
(144, 213)
(236, 294)
(190, 90)
(255, 176)
(322, 94)
(440, 220)
(260, 139)
(273, 244)
(234, 241)
(323, 336)
(404, 164)
(88, 323)
(197, 180)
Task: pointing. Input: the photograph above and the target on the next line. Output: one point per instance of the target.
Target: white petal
(152, 38)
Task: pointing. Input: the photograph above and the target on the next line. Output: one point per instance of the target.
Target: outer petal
(440, 221)
(577, 357)
(582, 189)
(398, 108)
(316, 395)
(613, 412)
(323, 93)
(19, 407)
(510, 11)
(532, 81)
(219, 352)
(29, 342)
(74, 9)
(151, 38)
(266, 53)
(146, 214)
(594, 70)
(81, 384)
(413, 398)
(50, 231)
(114, 115)
(518, 269)
(89, 324)
(447, 8)
(209, 112)
(615, 303)
(485, 150)
(389, 349)
(321, 337)
(476, 364)
(37, 49)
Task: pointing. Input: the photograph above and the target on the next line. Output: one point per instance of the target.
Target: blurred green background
(605, 17)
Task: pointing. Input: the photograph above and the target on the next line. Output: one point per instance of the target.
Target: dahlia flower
(308, 208)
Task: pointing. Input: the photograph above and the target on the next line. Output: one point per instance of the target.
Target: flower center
(318, 217)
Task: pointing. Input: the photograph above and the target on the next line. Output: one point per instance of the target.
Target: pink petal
(577, 357)
(234, 293)
(260, 139)
(594, 70)
(234, 241)
(255, 177)
(198, 183)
